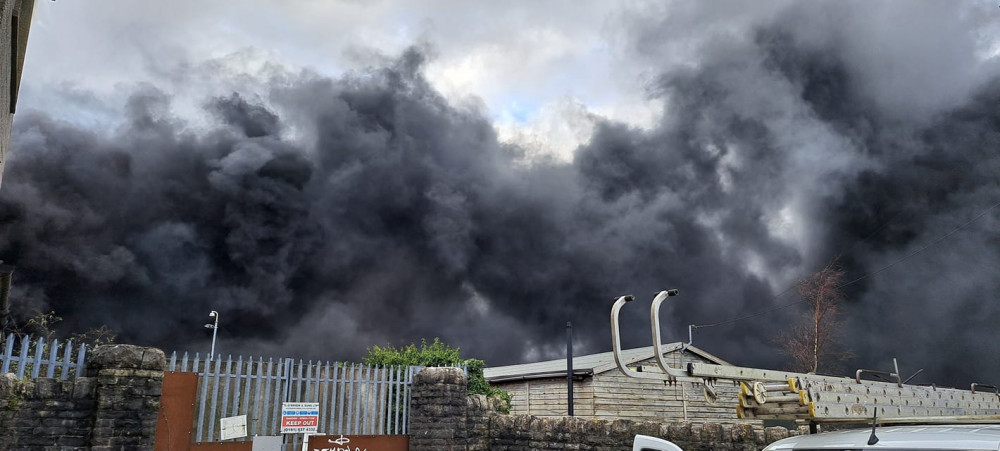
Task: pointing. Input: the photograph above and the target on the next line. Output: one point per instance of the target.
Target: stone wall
(114, 407)
(438, 419)
(45, 412)
(444, 417)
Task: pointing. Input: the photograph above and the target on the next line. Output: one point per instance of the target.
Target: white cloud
(521, 59)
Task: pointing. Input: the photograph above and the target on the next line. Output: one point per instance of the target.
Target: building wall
(620, 396)
(6, 118)
(613, 395)
(547, 397)
(11, 39)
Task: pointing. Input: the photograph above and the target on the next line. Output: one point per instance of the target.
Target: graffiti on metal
(359, 442)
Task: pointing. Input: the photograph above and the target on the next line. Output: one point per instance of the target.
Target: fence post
(8, 354)
(287, 395)
(128, 389)
(438, 413)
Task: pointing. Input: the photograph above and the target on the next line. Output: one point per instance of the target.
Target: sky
(334, 175)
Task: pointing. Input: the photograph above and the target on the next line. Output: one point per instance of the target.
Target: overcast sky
(535, 68)
(332, 175)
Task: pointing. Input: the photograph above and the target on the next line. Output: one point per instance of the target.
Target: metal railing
(41, 358)
(353, 398)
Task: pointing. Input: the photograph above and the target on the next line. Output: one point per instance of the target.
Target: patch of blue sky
(67, 103)
(518, 111)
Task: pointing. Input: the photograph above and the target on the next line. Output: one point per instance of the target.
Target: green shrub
(437, 353)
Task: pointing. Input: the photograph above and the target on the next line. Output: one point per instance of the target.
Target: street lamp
(215, 331)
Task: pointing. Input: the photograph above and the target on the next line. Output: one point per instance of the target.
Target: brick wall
(114, 407)
(444, 417)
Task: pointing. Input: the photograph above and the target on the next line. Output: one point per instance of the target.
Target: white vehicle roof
(938, 437)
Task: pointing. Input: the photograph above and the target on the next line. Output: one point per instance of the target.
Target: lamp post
(215, 331)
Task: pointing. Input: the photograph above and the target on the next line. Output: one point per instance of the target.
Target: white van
(967, 437)
(938, 437)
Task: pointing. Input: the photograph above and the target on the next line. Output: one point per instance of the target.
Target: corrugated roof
(585, 364)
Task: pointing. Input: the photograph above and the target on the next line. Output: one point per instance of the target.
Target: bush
(437, 353)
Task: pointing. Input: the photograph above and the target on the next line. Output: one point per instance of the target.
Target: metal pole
(654, 322)
(215, 332)
(569, 366)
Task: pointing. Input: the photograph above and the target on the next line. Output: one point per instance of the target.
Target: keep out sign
(299, 417)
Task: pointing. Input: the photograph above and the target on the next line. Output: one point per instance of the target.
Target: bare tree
(811, 343)
(42, 324)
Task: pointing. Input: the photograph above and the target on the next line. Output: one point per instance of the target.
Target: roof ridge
(598, 362)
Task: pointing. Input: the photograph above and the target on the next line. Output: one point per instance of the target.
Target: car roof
(939, 437)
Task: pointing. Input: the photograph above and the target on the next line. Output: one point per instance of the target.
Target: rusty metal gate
(354, 399)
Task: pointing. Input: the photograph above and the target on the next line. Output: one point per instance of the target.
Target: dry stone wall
(45, 412)
(438, 409)
(113, 407)
(444, 417)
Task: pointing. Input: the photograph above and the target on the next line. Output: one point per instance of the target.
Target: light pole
(215, 331)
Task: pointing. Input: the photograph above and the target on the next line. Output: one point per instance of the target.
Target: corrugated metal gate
(354, 399)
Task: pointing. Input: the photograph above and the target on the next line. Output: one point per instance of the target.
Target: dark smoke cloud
(336, 214)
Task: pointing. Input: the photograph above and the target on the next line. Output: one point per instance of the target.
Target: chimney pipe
(569, 366)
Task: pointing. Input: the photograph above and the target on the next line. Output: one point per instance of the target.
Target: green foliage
(41, 324)
(504, 397)
(14, 401)
(437, 353)
(477, 382)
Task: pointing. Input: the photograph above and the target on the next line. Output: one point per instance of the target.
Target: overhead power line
(924, 247)
(863, 277)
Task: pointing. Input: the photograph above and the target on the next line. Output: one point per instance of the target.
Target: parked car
(647, 443)
(966, 437)
(927, 437)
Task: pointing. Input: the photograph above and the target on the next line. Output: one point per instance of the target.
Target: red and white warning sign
(299, 417)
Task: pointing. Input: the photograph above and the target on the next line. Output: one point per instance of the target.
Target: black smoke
(337, 214)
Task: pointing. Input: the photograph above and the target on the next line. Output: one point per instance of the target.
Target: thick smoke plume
(328, 215)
